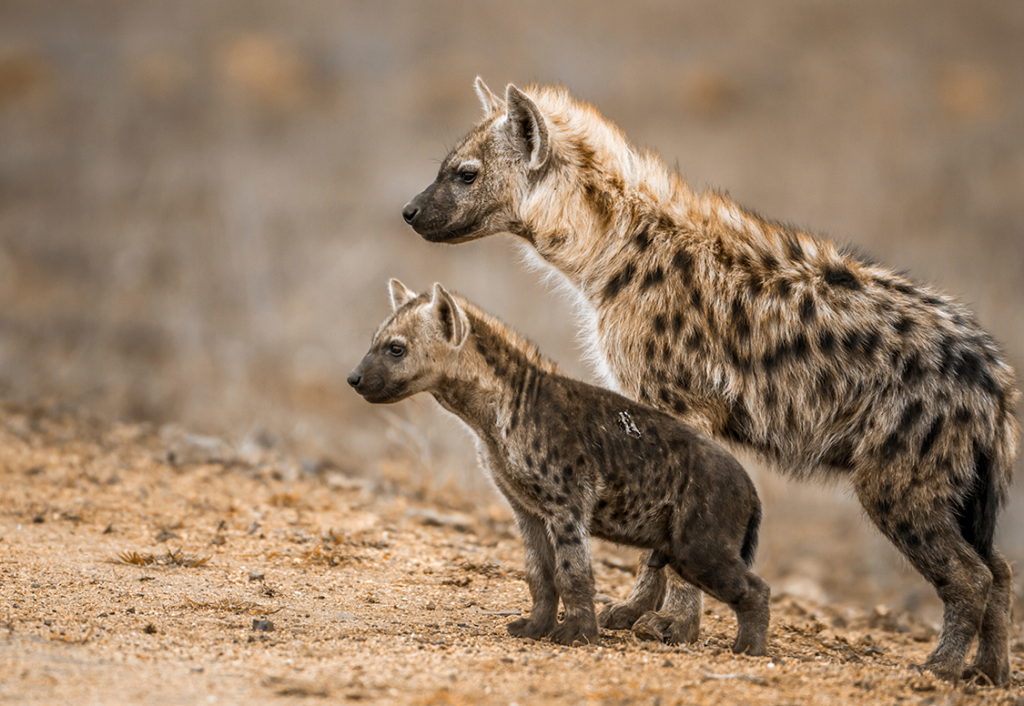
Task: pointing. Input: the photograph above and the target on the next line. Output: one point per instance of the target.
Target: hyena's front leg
(574, 579)
(540, 576)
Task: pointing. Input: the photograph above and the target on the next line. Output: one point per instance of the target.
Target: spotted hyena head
(414, 349)
(479, 182)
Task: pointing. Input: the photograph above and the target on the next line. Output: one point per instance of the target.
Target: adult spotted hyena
(772, 339)
(575, 461)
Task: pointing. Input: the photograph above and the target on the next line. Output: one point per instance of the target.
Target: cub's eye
(467, 176)
(396, 350)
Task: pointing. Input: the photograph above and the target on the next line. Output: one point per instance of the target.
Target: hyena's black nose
(355, 378)
(410, 212)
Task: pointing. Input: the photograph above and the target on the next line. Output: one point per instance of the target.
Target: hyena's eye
(467, 176)
(396, 350)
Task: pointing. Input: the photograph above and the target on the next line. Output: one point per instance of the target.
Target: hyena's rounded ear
(400, 294)
(527, 128)
(488, 100)
(454, 324)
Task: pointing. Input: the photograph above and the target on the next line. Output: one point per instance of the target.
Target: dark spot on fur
(740, 320)
(619, 281)
(679, 407)
(769, 262)
(904, 288)
(892, 447)
(826, 341)
(883, 507)
(649, 351)
(808, 310)
(642, 239)
(906, 535)
(963, 416)
(683, 261)
(784, 287)
(912, 370)
(911, 413)
(841, 277)
(529, 460)
(932, 436)
(677, 323)
(933, 301)
(904, 326)
(970, 369)
(840, 455)
(793, 248)
(655, 276)
(696, 300)
(659, 323)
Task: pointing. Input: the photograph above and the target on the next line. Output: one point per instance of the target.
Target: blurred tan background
(200, 201)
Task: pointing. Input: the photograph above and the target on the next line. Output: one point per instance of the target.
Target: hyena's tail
(979, 508)
(750, 538)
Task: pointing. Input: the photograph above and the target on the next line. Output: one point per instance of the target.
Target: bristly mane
(483, 324)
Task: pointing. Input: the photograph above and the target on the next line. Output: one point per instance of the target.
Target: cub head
(481, 180)
(414, 348)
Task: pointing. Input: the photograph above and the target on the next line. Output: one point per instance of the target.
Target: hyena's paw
(947, 670)
(663, 626)
(753, 644)
(988, 674)
(620, 616)
(571, 631)
(524, 627)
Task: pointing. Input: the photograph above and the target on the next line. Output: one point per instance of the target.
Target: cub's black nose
(410, 212)
(354, 378)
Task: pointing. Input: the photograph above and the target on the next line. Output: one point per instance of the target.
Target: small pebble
(262, 624)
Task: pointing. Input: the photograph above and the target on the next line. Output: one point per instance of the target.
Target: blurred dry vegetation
(200, 201)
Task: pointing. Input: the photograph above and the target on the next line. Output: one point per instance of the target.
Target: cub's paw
(524, 627)
(571, 632)
(673, 628)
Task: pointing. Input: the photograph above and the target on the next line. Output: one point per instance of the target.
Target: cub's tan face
(475, 192)
(410, 350)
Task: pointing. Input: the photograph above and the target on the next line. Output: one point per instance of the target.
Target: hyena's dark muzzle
(371, 380)
(432, 214)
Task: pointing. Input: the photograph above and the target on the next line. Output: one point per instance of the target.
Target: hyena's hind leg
(992, 661)
(926, 530)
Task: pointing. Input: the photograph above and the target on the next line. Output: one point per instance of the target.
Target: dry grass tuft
(174, 557)
(232, 605)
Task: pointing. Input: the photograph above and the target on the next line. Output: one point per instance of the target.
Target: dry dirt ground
(153, 566)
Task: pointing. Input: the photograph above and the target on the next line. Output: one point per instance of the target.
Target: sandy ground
(131, 573)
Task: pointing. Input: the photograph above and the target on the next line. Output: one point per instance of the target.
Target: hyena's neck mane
(496, 365)
(604, 203)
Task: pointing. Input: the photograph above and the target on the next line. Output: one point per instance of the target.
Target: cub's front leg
(574, 580)
(540, 562)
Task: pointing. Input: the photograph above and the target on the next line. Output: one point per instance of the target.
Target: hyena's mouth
(451, 236)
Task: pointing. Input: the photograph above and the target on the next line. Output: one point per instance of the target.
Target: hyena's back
(814, 360)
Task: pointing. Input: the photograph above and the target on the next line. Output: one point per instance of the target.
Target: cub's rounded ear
(400, 294)
(453, 320)
(527, 128)
(488, 100)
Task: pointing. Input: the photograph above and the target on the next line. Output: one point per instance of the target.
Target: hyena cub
(575, 461)
(763, 336)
